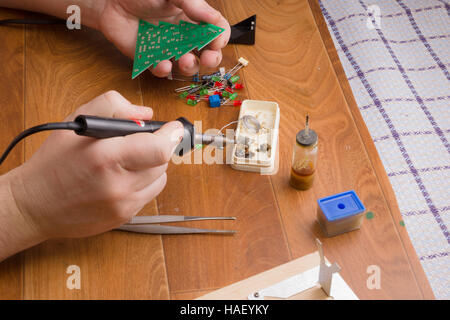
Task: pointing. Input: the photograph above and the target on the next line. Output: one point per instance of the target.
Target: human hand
(119, 22)
(77, 186)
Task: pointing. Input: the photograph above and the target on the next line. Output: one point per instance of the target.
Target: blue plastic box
(340, 213)
(214, 101)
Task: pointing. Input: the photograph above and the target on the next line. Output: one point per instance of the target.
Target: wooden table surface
(47, 72)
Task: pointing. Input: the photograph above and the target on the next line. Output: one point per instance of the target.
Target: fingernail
(178, 134)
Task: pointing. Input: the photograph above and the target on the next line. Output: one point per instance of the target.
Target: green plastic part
(225, 94)
(234, 79)
(215, 78)
(204, 92)
(164, 41)
(233, 96)
(184, 95)
(191, 102)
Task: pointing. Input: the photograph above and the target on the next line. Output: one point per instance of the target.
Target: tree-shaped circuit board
(164, 41)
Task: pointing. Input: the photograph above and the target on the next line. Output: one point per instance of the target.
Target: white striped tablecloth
(396, 56)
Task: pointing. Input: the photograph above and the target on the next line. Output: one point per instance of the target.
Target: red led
(217, 84)
(237, 103)
(229, 90)
(219, 93)
(238, 86)
(190, 96)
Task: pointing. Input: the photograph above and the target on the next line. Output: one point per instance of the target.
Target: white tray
(268, 114)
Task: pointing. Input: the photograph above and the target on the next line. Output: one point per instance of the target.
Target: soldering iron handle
(101, 128)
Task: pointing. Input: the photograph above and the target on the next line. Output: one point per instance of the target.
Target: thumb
(113, 105)
(145, 150)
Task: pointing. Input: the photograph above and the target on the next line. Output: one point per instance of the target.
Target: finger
(145, 150)
(210, 58)
(150, 192)
(199, 10)
(142, 178)
(223, 39)
(113, 105)
(162, 69)
(188, 64)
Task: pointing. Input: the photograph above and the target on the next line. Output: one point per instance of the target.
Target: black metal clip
(244, 31)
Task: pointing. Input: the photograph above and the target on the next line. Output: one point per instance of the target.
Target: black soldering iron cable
(43, 127)
(32, 21)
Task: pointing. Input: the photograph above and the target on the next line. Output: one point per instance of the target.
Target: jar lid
(306, 139)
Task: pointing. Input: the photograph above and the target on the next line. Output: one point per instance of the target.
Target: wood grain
(64, 70)
(242, 289)
(299, 75)
(11, 124)
(379, 170)
(289, 64)
(202, 262)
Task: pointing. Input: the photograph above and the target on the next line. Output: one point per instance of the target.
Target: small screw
(256, 294)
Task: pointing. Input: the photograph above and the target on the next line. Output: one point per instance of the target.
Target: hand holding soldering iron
(78, 186)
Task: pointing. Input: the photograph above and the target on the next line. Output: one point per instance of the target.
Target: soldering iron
(102, 128)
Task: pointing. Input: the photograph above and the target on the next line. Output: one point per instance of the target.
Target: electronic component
(214, 101)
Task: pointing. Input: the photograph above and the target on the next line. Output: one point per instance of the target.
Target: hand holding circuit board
(121, 21)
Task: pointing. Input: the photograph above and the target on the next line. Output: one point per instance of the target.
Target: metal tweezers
(149, 224)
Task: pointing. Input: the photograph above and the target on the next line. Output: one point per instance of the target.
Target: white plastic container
(262, 161)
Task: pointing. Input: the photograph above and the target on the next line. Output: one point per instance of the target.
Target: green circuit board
(165, 41)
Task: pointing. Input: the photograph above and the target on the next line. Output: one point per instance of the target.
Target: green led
(225, 94)
(215, 78)
(191, 102)
(233, 96)
(234, 79)
(203, 92)
(192, 86)
(184, 95)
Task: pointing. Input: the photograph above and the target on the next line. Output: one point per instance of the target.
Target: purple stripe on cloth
(429, 99)
(388, 15)
(388, 121)
(447, 6)
(411, 87)
(423, 39)
(398, 173)
(396, 69)
(436, 255)
(406, 156)
(443, 36)
(407, 134)
(421, 212)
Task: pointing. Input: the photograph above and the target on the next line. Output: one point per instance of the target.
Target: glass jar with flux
(304, 159)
